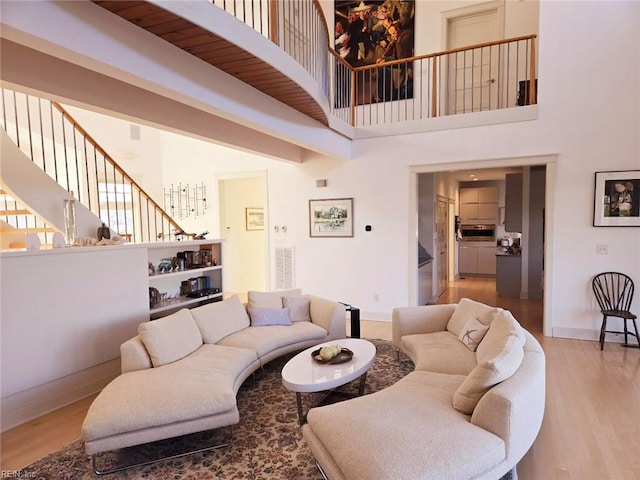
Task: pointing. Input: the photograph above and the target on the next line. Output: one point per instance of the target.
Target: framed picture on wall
(617, 199)
(331, 217)
(254, 218)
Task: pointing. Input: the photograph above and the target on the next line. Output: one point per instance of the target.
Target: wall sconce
(184, 201)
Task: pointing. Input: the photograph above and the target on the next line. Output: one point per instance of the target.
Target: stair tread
(29, 230)
(10, 213)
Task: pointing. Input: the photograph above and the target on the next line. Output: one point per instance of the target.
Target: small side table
(354, 313)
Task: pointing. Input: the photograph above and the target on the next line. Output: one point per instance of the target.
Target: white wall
(588, 118)
(584, 119)
(64, 314)
(578, 122)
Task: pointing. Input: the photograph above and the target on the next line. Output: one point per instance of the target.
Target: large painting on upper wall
(375, 32)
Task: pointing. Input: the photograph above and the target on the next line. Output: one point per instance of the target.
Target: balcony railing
(48, 135)
(477, 78)
(297, 26)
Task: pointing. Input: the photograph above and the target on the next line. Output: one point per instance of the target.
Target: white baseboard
(587, 334)
(376, 317)
(24, 406)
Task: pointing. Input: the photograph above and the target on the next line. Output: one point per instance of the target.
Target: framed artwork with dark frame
(617, 199)
(332, 217)
(254, 218)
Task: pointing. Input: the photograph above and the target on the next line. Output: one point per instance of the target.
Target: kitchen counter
(508, 274)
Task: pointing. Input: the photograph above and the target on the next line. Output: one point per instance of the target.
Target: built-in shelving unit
(170, 283)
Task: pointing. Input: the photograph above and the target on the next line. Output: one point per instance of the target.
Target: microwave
(477, 233)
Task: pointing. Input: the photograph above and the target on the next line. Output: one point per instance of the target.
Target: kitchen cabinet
(474, 260)
(487, 260)
(202, 272)
(479, 195)
(479, 204)
(508, 275)
(513, 202)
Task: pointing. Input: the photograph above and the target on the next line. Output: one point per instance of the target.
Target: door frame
(469, 11)
(549, 277)
(497, 6)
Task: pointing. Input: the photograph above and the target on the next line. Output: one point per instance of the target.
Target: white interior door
(472, 76)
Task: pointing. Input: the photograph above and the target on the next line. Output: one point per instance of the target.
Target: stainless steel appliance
(478, 232)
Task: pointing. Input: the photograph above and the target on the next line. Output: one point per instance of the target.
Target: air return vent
(284, 267)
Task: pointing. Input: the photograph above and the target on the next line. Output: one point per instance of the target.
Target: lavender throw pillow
(262, 317)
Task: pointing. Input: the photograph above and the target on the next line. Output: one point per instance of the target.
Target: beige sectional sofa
(181, 373)
(471, 408)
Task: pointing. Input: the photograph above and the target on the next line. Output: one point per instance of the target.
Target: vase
(70, 229)
(33, 241)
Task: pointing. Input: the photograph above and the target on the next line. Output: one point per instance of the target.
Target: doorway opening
(533, 258)
(242, 199)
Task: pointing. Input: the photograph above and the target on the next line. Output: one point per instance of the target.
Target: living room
(569, 132)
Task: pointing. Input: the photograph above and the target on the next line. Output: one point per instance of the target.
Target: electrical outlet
(602, 249)
(376, 297)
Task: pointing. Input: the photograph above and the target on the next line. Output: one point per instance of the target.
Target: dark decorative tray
(344, 356)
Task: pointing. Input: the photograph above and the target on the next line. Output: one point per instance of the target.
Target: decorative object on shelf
(617, 199)
(154, 297)
(165, 265)
(185, 201)
(254, 218)
(331, 217)
(103, 232)
(151, 269)
(58, 240)
(70, 229)
(32, 241)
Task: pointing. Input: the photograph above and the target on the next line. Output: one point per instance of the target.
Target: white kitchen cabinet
(479, 195)
(479, 205)
(474, 260)
(487, 260)
(468, 259)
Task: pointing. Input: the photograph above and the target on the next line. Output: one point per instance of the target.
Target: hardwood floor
(591, 429)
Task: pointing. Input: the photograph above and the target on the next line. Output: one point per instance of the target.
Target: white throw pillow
(472, 333)
(170, 338)
(220, 319)
(270, 299)
(466, 309)
(488, 374)
(299, 307)
(502, 326)
(264, 317)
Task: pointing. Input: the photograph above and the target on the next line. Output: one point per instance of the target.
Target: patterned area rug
(267, 443)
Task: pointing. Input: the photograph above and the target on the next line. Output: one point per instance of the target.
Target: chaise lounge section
(471, 409)
(181, 373)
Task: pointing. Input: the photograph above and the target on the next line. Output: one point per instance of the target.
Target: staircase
(16, 221)
(48, 157)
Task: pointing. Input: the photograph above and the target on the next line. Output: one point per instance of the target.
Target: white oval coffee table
(302, 374)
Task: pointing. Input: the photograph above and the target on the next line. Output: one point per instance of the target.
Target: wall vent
(284, 267)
